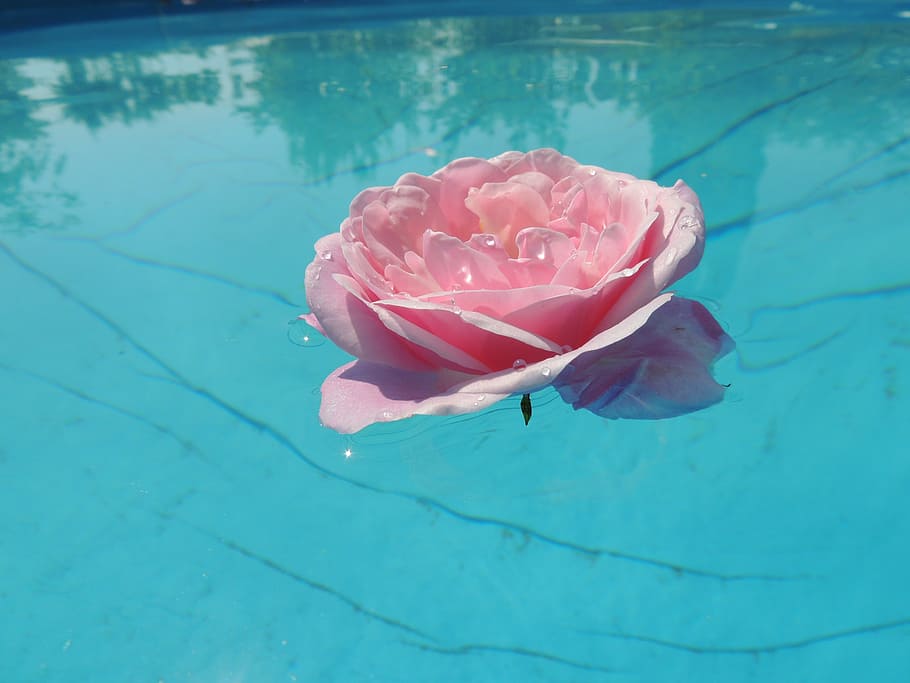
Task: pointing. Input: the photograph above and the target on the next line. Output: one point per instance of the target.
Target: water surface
(171, 509)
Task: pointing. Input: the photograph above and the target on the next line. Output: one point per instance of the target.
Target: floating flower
(500, 277)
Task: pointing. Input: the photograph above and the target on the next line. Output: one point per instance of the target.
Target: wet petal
(456, 180)
(504, 209)
(457, 265)
(474, 342)
(546, 160)
(674, 248)
(544, 246)
(346, 319)
(361, 393)
(539, 182)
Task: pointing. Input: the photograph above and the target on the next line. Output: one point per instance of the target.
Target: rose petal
(537, 181)
(457, 265)
(565, 315)
(544, 246)
(545, 160)
(361, 267)
(361, 393)
(674, 248)
(506, 208)
(394, 223)
(464, 336)
(663, 370)
(344, 318)
(456, 180)
(420, 342)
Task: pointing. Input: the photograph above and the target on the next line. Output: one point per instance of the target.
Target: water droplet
(489, 241)
(565, 348)
(627, 272)
(592, 172)
(545, 371)
(301, 334)
(456, 287)
(482, 397)
(519, 365)
(688, 223)
(326, 255)
(456, 310)
(317, 273)
(385, 415)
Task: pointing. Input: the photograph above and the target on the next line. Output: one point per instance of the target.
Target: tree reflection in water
(351, 99)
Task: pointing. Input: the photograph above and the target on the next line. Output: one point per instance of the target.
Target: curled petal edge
(361, 393)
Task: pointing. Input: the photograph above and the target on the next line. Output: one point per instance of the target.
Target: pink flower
(504, 276)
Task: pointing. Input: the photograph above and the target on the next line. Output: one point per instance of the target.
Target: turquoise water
(171, 509)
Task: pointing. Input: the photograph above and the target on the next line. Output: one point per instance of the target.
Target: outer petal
(360, 393)
(674, 245)
(662, 370)
(344, 318)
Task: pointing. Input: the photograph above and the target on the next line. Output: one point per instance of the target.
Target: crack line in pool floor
(185, 443)
(747, 366)
(179, 380)
(300, 578)
(481, 648)
(99, 243)
(741, 122)
(752, 218)
(753, 650)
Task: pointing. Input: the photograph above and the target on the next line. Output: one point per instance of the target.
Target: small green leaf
(526, 408)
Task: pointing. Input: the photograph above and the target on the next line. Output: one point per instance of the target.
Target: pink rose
(497, 277)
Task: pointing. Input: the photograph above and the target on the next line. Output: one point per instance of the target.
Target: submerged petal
(662, 370)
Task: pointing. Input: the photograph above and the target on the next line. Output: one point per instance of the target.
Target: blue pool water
(171, 509)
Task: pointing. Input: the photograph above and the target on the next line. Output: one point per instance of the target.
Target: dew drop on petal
(545, 371)
(565, 348)
(489, 241)
(519, 365)
(317, 273)
(385, 415)
(326, 255)
(627, 272)
(482, 397)
(688, 223)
